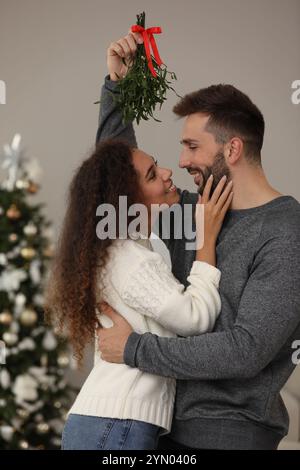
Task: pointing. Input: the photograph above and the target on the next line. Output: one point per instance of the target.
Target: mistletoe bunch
(146, 83)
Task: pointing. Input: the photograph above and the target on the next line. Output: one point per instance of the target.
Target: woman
(119, 407)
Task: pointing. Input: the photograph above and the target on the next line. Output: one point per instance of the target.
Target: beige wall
(52, 59)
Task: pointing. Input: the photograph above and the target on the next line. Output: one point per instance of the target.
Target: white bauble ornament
(11, 297)
(22, 184)
(7, 432)
(57, 425)
(3, 259)
(4, 379)
(10, 280)
(56, 441)
(25, 388)
(38, 331)
(39, 300)
(27, 344)
(38, 372)
(10, 338)
(20, 301)
(35, 271)
(62, 384)
(49, 341)
(30, 229)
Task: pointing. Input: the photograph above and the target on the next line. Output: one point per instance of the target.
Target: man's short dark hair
(231, 114)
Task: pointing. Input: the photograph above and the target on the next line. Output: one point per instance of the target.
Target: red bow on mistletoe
(149, 39)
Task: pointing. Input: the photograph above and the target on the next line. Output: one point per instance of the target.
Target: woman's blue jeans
(94, 433)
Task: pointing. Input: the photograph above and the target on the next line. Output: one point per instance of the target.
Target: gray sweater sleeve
(110, 118)
(268, 314)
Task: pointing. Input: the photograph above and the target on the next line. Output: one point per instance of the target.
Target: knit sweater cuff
(208, 271)
(131, 349)
(110, 84)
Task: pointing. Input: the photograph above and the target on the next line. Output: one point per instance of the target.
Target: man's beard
(218, 170)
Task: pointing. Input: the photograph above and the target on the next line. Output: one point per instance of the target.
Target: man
(228, 381)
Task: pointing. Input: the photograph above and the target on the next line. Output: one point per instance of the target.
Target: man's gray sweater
(229, 381)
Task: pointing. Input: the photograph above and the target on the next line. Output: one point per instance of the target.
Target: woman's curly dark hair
(71, 292)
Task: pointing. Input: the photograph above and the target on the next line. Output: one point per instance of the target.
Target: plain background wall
(53, 61)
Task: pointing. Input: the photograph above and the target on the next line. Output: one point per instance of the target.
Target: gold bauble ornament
(13, 237)
(49, 251)
(63, 360)
(56, 330)
(23, 413)
(28, 253)
(6, 317)
(44, 360)
(42, 428)
(13, 212)
(23, 445)
(32, 188)
(28, 317)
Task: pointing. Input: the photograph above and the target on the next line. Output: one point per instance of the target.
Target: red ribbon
(148, 36)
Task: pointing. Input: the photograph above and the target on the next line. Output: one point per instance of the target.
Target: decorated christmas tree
(34, 396)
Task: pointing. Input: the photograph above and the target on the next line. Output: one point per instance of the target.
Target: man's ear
(233, 150)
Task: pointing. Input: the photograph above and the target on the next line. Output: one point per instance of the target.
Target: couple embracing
(191, 355)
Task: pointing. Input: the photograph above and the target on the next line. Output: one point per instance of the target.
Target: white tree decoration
(12, 156)
(14, 160)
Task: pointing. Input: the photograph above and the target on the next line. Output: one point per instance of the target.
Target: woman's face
(155, 182)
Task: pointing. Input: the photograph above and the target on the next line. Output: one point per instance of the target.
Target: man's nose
(184, 162)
